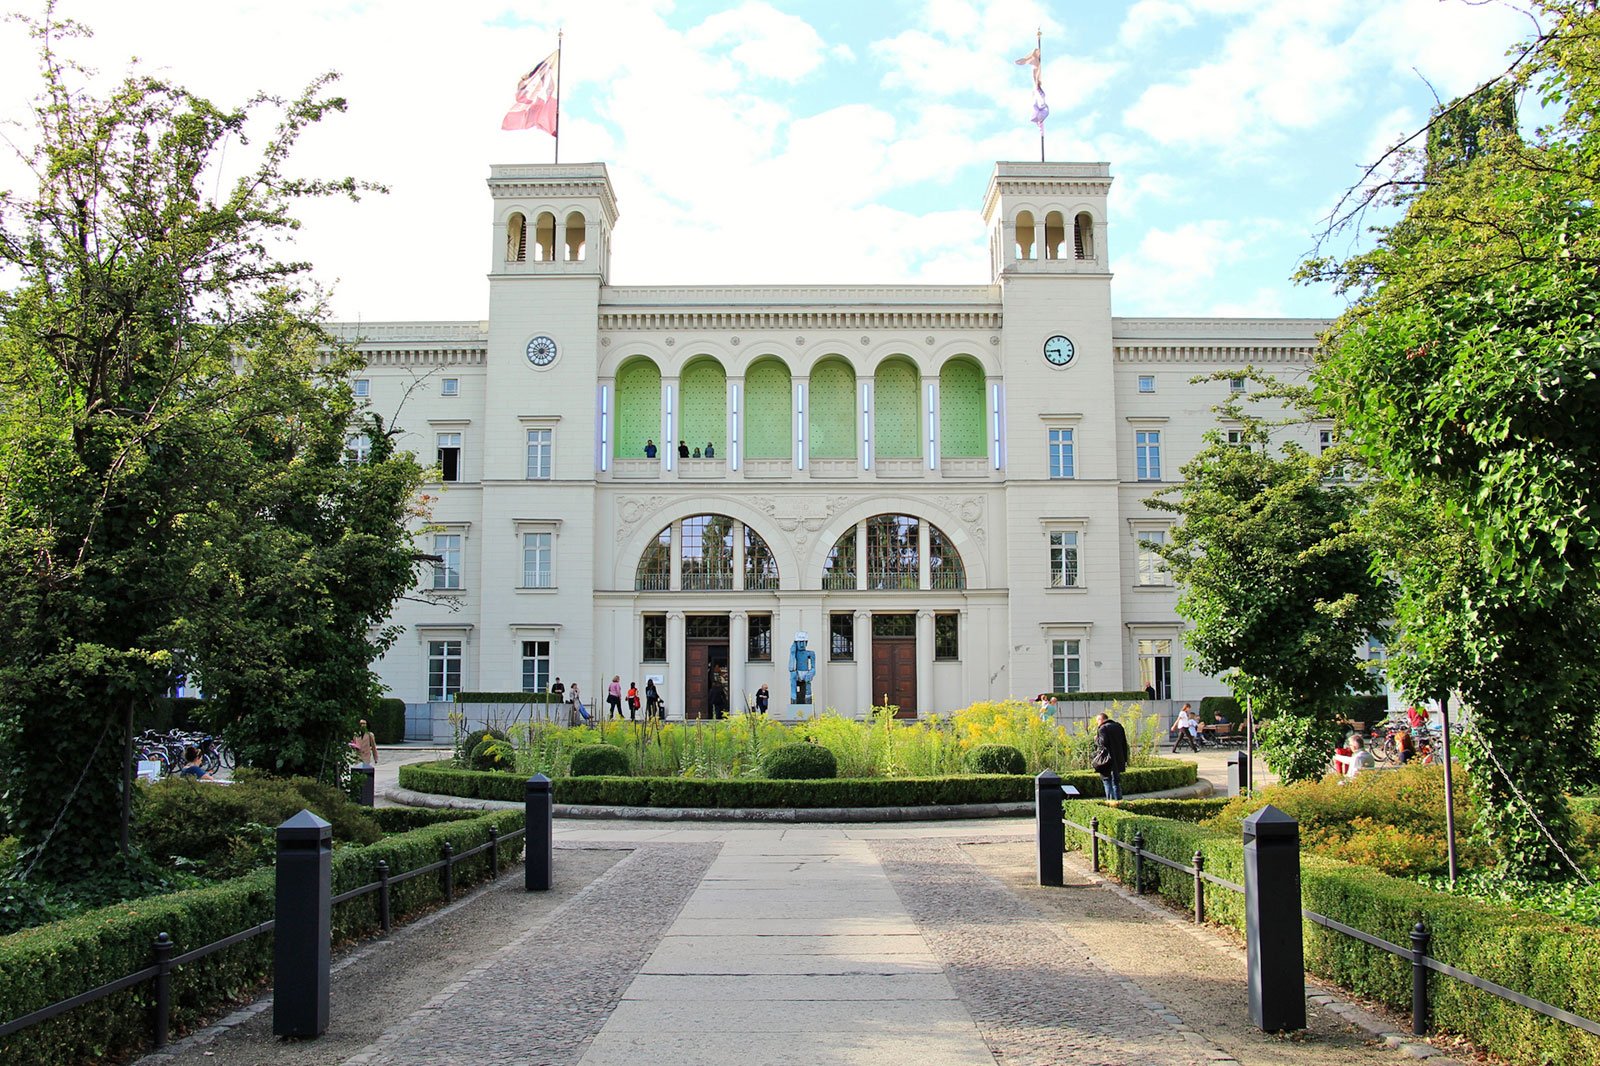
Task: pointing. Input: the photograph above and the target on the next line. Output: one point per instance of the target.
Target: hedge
(388, 720)
(506, 697)
(53, 962)
(1084, 697)
(443, 778)
(1539, 955)
(405, 819)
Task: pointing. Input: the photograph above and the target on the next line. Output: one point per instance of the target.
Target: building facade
(940, 488)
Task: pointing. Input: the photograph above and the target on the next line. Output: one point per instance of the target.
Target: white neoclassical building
(941, 487)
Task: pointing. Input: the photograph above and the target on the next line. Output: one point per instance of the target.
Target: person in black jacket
(1110, 755)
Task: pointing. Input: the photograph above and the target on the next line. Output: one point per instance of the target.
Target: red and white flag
(537, 107)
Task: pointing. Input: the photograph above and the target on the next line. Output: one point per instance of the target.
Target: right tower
(1049, 256)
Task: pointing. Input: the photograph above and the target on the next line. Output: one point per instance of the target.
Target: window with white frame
(357, 447)
(535, 666)
(537, 568)
(1233, 437)
(1063, 463)
(1147, 454)
(1155, 668)
(447, 565)
(444, 670)
(1147, 383)
(1065, 571)
(449, 445)
(1236, 385)
(1152, 568)
(539, 454)
(1066, 665)
(1324, 440)
(361, 388)
(451, 387)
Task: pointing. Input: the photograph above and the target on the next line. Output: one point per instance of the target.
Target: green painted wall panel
(638, 408)
(705, 405)
(832, 429)
(962, 421)
(897, 425)
(768, 404)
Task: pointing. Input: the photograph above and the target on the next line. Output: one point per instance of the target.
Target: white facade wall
(998, 511)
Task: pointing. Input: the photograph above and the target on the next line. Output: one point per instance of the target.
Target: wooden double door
(894, 662)
(706, 679)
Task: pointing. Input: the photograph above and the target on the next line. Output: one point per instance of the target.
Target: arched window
(575, 237)
(706, 558)
(544, 238)
(1055, 234)
(516, 238)
(1025, 235)
(704, 385)
(638, 408)
(1083, 236)
(832, 427)
(655, 565)
(707, 552)
(768, 403)
(892, 552)
(944, 562)
(840, 570)
(897, 417)
(760, 568)
(963, 415)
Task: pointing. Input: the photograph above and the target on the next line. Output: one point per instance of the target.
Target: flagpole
(560, 34)
(1038, 44)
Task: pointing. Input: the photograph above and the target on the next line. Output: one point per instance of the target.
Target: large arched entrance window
(894, 547)
(708, 553)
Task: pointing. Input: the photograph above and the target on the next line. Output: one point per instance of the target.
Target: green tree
(171, 429)
(1467, 371)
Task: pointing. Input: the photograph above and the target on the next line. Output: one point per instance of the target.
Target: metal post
(363, 778)
(449, 850)
(163, 952)
(494, 852)
(1238, 774)
(1094, 843)
(1274, 944)
(539, 817)
(384, 921)
(1419, 979)
(1138, 862)
(1199, 888)
(1049, 832)
(1449, 790)
(301, 941)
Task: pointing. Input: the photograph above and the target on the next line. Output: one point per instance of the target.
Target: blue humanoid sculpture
(802, 668)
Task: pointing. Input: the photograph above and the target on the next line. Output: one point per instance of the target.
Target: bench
(1223, 733)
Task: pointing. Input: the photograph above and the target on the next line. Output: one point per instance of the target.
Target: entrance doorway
(894, 662)
(705, 675)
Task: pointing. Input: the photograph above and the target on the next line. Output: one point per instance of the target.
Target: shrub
(493, 753)
(404, 819)
(225, 831)
(996, 759)
(388, 720)
(505, 697)
(799, 762)
(599, 760)
(1227, 706)
(1298, 747)
(472, 738)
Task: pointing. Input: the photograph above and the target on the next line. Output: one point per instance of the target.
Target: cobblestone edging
(542, 997)
(1037, 994)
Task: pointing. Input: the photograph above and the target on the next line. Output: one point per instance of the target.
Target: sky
(820, 141)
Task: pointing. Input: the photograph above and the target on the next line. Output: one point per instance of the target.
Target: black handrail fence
(1416, 954)
(160, 970)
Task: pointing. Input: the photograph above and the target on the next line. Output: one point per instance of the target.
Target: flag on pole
(1041, 109)
(537, 105)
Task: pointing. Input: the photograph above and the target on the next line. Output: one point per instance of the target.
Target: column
(677, 661)
(675, 557)
(861, 557)
(1038, 237)
(738, 556)
(865, 697)
(924, 565)
(925, 705)
(738, 647)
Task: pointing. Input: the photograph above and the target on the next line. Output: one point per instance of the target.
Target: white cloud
(766, 42)
(1148, 19)
(1183, 270)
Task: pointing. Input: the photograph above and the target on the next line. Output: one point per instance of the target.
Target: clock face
(541, 351)
(1059, 351)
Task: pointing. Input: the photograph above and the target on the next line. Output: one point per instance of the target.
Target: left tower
(549, 250)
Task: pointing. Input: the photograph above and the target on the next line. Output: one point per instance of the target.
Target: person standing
(763, 700)
(711, 450)
(366, 745)
(683, 450)
(633, 701)
(614, 697)
(1110, 755)
(652, 699)
(649, 449)
(558, 692)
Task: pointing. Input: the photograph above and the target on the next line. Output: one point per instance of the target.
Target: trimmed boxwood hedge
(1539, 955)
(388, 720)
(442, 778)
(506, 697)
(1094, 697)
(53, 962)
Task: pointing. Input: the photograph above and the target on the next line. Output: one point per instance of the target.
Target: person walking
(652, 699)
(763, 700)
(633, 701)
(614, 697)
(366, 745)
(1110, 755)
(1185, 728)
(575, 700)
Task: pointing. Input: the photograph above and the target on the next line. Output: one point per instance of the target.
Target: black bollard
(1238, 774)
(1049, 832)
(301, 941)
(363, 777)
(1274, 943)
(539, 817)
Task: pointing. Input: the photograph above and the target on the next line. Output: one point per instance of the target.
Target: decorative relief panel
(970, 510)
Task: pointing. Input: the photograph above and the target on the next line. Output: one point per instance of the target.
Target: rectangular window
(1155, 668)
(1152, 568)
(1234, 437)
(841, 637)
(444, 670)
(449, 456)
(654, 649)
(451, 387)
(1064, 570)
(1061, 457)
(1236, 385)
(539, 448)
(1324, 440)
(1147, 454)
(946, 636)
(1147, 383)
(536, 568)
(535, 666)
(357, 447)
(1066, 666)
(447, 568)
(759, 646)
(362, 388)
